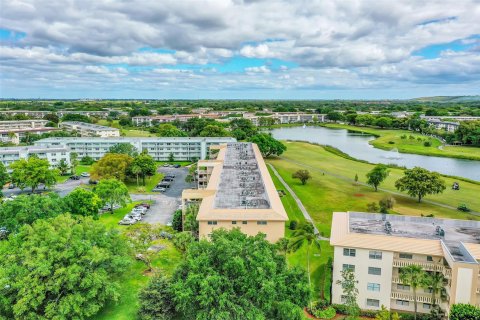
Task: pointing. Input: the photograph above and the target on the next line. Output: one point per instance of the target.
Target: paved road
(165, 204)
(298, 201)
(62, 188)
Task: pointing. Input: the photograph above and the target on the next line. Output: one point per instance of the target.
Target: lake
(356, 145)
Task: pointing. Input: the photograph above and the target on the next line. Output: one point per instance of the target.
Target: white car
(127, 221)
(85, 174)
(139, 210)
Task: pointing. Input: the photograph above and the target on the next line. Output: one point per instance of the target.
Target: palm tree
(305, 234)
(283, 246)
(413, 276)
(136, 170)
(435, 281)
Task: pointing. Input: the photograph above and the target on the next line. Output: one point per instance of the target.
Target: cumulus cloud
(335, 44)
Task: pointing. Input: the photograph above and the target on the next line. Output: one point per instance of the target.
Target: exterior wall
(90, 130)
(273, 229)
(53, 155)
(22, 124)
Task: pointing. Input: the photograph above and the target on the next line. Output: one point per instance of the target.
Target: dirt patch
(359, 195)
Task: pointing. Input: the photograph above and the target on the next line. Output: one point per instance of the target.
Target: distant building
(182, 148)
(286, 117)
(16, 135)
(22, 124)
(152, 120)
(236, 191)
(53, 154)
(89, 129)
(444, 125)
(376, 246)
(453, 118)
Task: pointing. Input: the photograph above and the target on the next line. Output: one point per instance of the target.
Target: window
(429, 258)
(212, 222)
(373, 286)
(427, 306)
(262, 222)
(376, 255)
(349, 266)
(375, 271)
(403, 287)
(403, 303)
(343, 299)
(427, 290)
(406, 256)
(373, 302)
(244, 222)
(349, 252)
(234, 222)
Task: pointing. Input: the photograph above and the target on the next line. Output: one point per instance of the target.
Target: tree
(27, 209)
(63, 167)
(169, 130)
(52, 117)
(135, 170)
(112, 192)
(386, 203)
(111, 165)
(182, 240)
(385, 314)
(191, 223)
(146, 164)
(242, 125)
(71, 271)
(268, 145)
(461, 311)
(283, 246)
(376, 176)
(124, 148)
(87, 160)
(140, 237)
(286, 310)
(413, 276)
(350, 291)
(177, 221)
(419, 182)
(334, 116)
(4, 177)
(214, 131)
(83, 202)
(156, 300)
(356, 178)
(383, 122)
(32, 172)
(73, 162)
(235, 276)
(305, 234)
(435, 281)
(171, 157)
(303, 175)
(76, 117)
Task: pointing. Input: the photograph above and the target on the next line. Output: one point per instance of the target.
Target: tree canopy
(32, 172)
(83, 202)
(145, 164)
(268, 145)
(462, 311)
(112, 192)
(376, 176)
(214, 131)
(60, 268)
(4, 177)
(302, 175)
(169, 130)
(124, 148)
(111, 165)
(419, 182)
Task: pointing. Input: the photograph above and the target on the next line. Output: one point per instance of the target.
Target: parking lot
(165, 203)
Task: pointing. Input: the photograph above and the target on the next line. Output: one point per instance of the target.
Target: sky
(239, 49)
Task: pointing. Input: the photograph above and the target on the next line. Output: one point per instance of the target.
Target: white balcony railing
(409, 297)
(399, 263)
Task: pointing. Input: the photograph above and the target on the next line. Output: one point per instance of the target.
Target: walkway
(381, 189)
(298, 201)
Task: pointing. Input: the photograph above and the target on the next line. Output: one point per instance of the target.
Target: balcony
(400, 263)
(409, 297)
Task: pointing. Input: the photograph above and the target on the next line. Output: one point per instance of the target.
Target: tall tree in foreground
(83, 202)
(413, 276)
(350, 291)
(73, 162)
(419, 182)
(376, 176)
(63, 167)
(156, 300)
(305, 235)
(70, 272)
(112, 192)
(32, 172)
(268, 145)
(235, 276)
(124, 148)
(435, 281)
(111, 165)
(146, 164)
(4, 177)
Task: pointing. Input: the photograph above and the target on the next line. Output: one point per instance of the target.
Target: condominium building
(53, 154)
(182, 148)
(452, 118)
(444, 125)
(286, 117)
(22, 124)
(15, 135)
(89, 129)
(152, 120)
(238, 193)
(376, 246)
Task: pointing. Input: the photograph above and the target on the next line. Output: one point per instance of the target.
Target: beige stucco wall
(273, 229)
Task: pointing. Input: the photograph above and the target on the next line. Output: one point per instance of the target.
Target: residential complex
(89, 129)
(22, 124)
(60, 113)
(444, 125)
(182, 148)
(53, 154)
(14, 130)
(236, 191)
(451, 118)
(286, 117)
(377, 246)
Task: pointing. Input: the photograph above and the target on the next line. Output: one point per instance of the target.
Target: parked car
(166, 165)
(170, 176)
(127, 221)
(168, 179)
(146, 205)
(177, 166)
(11, 186)
(92, 181)
(75, 177)
(140, 210)
(85, 174)
(135, 216)
(159, 189)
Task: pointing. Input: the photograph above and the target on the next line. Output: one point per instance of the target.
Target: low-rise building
(89, 129)
(53, 154)
(152, 120)
(452, 118)
(22, 124)
(15, 135)
(377, 246)
(160, 148)
(236, 191)
(286, 117)
(444, 125)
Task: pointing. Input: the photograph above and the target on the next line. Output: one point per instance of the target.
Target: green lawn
(336, 191)
(134, 278)
(135, 133)
(150, 183)
(384, 136)
(78, 170)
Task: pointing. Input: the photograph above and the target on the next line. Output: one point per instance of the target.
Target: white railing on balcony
(399, 263)
(409, 297)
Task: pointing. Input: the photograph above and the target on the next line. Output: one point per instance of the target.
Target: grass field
(384, 136)
(135, 133)
(336, 191)
(133, 278)
(150, 183)
(78, 170)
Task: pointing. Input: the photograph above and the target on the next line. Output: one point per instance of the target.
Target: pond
(356, 145)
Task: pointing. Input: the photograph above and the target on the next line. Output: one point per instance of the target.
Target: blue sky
(220, 49)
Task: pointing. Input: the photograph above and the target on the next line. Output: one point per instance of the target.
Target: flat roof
(134, 139)
(241, 183)
(89, 125)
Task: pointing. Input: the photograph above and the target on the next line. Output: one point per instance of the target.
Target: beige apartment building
(236, 191)
(377, 246)
(90, 129)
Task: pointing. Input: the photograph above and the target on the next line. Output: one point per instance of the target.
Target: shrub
(341, 308)
(411, 137)
(177, 221)
(462, 311)
(328, 313)
(427, 144)
(293, 224)
(403, 136)
(391, 142)
(463, 207)
(156, 300)
(87, 160)
(286, 310)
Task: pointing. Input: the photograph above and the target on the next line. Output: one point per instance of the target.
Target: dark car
(92, 181)
(168, 179)
(74, 177)
(169, 176)
(146, 205)
(176, 166)
(11, 186)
